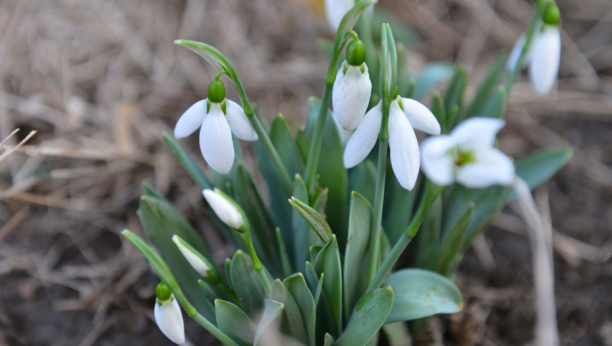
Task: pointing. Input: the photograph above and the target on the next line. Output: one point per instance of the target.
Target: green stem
(528, 38)
(429, 197)
(213, 330)
(379, 197)
(257, 263)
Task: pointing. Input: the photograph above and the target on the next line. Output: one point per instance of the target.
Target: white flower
(335, 11)
(351, 94)
(170, 320)
(467, 156)
(225, 210)
(344, 134)
(515, 53)
(192, 258)
(216, 132)
(405, 156)
(545, 57)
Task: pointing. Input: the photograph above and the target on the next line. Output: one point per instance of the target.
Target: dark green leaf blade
(247, 284)
(234, 323)
(328, 263)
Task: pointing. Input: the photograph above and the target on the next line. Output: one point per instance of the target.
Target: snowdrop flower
(352, 88)
(336, 9)
(467, 156)
(168, 315)
(515, 53)
(195, 261)
(225, 209)
(219, 118)
(403, 119)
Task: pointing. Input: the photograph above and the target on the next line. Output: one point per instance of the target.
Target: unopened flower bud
(194, 260)
(168, 315)
(225, 209)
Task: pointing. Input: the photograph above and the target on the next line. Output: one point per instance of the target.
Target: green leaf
(313, 218)
(292, 323)
(432, 75)
(356, 254)
(261, 225)
(314, 252)
(247, 284)
(190, 166)
(235, 323)
(421, 293)
(301, 229)
(297, 287)
(370, 314)
(437, 108)
(429, 236)
(271, 312)
(151, 191)
(328, 263)
(540, 166)
(397, 334)
(452, 244)
(362, 179)
(496, 104)
(329, 340)
(285, 261)
(348, 21)
(398, 203)
(332, 173)
(455, 91)
(486, 88)
(160, 221)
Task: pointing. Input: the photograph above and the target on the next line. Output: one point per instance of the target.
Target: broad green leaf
(432, 75)
(228, 268)
(397, 212)
(362, 179)
(455, 92)
(301, 229)
(329, 340)
(314, 252)
(495, 106)
(297, 287)
(190, 166)
(429, 236)
(540, 166)
(397, 334)
(370, 314)
(235, 323)
(421, 293)
(151, 191)
(247, 284)
(452, 244)
(332, 174)
(486, 88)
(160, 221)
(328, 263)
(313, 218)
(262, 228)
(356, 254)
(271, 312)
(292, 323)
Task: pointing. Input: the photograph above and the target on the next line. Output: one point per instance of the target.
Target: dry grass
(100, 80)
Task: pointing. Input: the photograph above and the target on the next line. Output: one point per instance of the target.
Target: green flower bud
(162, 292)
(355, 53)
(216, 91)
(551, 14)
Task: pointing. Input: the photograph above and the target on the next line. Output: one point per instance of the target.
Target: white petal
(170, 320)
(216, 140)
(191, 120)
(492, 167)
(225, 210)
(194, 260)
(363, 139)
(477, 132)
(420, 117)
(335, 10)
(516, 52)
(545, 59)
(344, 134)
(436, 162)
(238, 122)
(351, 95)
(405, 157)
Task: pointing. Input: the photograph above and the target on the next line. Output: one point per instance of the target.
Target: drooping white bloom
(545, 58)
(515, 53)
(335, 11)
(405, 156)
(170, 320)
(216, 132)
(192, 258)
(467, 156)
(225, 210)
(351, 94)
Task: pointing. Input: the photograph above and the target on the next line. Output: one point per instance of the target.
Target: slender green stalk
(533, 26)
(257, 263)
(213, 330)
(429, 197)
